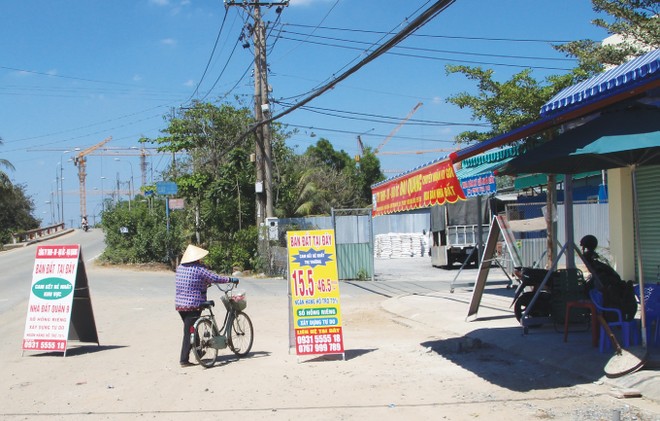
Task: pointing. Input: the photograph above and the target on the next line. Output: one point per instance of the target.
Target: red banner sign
(434, 184)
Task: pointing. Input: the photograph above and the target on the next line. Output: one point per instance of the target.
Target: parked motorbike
(530, 283)
(562, 286)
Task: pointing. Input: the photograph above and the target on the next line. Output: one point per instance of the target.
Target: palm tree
(4, 163)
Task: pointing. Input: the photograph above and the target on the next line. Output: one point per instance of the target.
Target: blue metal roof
(613, 81)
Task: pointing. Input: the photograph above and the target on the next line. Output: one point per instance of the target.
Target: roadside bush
(139, 234)
(234, 250)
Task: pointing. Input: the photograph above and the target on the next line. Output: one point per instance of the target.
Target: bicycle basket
(239, 301)
(236, 301)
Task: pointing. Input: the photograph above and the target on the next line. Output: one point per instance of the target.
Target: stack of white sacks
(400, 245)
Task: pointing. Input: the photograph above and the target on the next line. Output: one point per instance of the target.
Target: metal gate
(354, 240)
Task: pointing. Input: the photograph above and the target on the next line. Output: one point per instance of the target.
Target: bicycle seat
(207, 304)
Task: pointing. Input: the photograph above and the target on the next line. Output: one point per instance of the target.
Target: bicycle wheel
(204, 353)
(241, 334)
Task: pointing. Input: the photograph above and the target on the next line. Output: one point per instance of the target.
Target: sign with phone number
(314, 287)
(29, 345)
(51, 298)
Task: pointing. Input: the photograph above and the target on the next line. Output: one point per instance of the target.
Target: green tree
(16, 209)
(213, 169)
(505, 105)
(324, 153)
(366, 173)
(139, 233)
(634, 21)
(324, 178)
(215, 175)
(5, 164)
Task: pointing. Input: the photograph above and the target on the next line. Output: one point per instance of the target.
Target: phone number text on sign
(37, 345)
(319, 341)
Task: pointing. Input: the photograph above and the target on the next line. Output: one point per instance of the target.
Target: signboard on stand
(59, 308)
(314, 290)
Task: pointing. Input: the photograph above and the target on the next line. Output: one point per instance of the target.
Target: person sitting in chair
(617, 293)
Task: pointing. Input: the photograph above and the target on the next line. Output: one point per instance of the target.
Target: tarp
(615, 139)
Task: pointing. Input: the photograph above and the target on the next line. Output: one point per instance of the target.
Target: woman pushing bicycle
(192, 280)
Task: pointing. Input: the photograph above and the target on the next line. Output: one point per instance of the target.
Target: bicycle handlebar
(228, 286)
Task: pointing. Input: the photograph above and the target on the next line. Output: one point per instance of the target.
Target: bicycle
(236, 331)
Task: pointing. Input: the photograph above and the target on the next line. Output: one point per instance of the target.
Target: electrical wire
(526, 66)
(418, 22)
(355, 133)
(344, 30)
(208, 63)
(383, 118)
(426, 49)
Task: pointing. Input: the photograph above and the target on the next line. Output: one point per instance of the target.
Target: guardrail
(36, 234)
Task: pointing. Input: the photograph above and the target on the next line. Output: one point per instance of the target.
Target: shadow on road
(80, 350)
(515, 370)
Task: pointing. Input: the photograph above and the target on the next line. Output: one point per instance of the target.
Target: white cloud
(306, 2)
(160, 2)
(437, 100)
(168, 41)
(137, 78)
(189, 83)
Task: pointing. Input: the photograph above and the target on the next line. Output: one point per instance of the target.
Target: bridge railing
(37, 233)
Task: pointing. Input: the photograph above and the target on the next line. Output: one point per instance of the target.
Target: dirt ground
(394, 368)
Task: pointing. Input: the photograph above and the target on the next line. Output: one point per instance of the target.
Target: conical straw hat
(193, 254)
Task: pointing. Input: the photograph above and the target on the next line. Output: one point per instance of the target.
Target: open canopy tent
(620, 138)
(627, 137)
(618, 127)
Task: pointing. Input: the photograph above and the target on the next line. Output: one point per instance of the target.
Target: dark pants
(189, 318)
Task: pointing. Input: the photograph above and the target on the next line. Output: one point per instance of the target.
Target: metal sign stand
(499, 225)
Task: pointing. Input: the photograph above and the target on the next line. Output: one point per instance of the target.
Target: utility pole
(263, 147)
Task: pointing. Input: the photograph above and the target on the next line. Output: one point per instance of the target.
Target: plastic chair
(652, 310)
(627, 326)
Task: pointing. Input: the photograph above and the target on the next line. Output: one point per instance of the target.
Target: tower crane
(141, 152)
(396, 129)
(81, 162)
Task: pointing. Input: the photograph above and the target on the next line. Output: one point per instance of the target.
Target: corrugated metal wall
(649, 221)
(588, 218)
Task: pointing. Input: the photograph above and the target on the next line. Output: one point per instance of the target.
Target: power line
(432, 50)
(442, 58)
(413, 26)
(544, 41)
(383, 118)
(208, 63)
(352, 132)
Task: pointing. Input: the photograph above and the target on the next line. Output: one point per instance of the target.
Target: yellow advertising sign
(314, 286)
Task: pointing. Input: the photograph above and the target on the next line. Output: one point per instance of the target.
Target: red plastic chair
(627, 326)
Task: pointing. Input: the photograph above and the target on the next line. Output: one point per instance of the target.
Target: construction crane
(396, 129)
(116, 152)
(81, 162)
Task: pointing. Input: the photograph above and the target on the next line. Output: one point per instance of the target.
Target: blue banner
(479, 185)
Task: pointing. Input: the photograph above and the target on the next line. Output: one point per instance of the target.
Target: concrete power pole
(263, 147)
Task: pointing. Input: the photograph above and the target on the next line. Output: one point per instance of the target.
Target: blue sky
(74, 73)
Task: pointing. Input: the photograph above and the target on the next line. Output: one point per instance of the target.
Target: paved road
(389, 361)
(17, 264)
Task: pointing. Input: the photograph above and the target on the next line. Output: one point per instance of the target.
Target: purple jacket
(192, 280)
